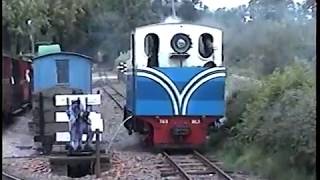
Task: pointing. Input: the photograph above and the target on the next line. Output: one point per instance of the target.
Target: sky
(215, 4)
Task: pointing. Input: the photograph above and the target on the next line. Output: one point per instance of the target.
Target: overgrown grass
(271, 126)
(273, 166)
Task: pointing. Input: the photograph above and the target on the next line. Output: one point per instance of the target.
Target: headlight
(181, 43)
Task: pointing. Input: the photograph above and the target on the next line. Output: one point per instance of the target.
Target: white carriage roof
(64, 53)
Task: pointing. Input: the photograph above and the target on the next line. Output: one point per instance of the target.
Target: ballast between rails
(114, 89)
(206, 162)
(177, 167)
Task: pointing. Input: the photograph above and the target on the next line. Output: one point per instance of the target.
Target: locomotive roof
(173, 23)
(64, 53)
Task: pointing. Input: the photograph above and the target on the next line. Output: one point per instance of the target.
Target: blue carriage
(62, 69)
(58, 79)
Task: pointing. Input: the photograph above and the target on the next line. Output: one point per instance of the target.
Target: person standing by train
(79, 124)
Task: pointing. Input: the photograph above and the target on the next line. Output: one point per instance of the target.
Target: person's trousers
(77, 130)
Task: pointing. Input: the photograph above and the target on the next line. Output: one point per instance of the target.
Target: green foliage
(113, 21)
(271, 119)
(265, 43)
(78, 25)
(48, 18)
(266, 165)
(273, 124)
(282, 115)
(187, 11)
(274, 45)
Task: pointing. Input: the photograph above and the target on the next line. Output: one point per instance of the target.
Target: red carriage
(16, 85)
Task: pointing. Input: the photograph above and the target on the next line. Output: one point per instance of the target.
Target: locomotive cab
(175, 85)
(177, 45)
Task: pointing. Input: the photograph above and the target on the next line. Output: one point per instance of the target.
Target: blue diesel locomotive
(175, 84)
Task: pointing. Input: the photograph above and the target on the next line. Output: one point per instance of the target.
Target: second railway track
(191, 166)
(112, 92)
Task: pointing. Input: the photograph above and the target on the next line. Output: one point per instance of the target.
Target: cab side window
(151, 49)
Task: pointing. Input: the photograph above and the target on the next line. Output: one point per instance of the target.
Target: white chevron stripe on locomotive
(195, 87)
(158, 80)
(188, 90)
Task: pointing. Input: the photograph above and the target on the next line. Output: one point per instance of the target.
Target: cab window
(151, 49)
(206, 45)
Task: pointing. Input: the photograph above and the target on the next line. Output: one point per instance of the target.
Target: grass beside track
(271, 126)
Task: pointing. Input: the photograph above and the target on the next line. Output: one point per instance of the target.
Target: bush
(276, 128)
(282, 113)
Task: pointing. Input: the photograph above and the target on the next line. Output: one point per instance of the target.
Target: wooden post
(42, 124)
(41, 116)
(98, 166)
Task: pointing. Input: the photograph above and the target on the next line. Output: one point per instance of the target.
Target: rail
(214, 167)
(113, 98)
(114, 89)
(177, 167)
(6, 176)
(102, 83)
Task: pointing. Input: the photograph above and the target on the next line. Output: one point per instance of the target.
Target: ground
(129, 159)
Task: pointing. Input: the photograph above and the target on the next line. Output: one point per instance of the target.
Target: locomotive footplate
(180, 131)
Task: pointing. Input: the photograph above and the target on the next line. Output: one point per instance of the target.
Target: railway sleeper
(169, 173)
(193, 165)
(197, 172)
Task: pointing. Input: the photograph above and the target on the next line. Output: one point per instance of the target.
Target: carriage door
(16, 87)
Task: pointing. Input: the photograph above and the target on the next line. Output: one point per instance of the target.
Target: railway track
(114, 89)
(6, 176)
(114, 95)
(111, 92)
(190, 166)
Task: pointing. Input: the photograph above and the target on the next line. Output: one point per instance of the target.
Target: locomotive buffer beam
(179, 133)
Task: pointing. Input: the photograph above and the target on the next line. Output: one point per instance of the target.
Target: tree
(48, 17)
(112, 21)
(270, 9)
(77, 25)
(187, 11)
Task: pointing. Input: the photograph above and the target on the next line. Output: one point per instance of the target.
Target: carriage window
(151, 48)
(206, 45)
(62, 71)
